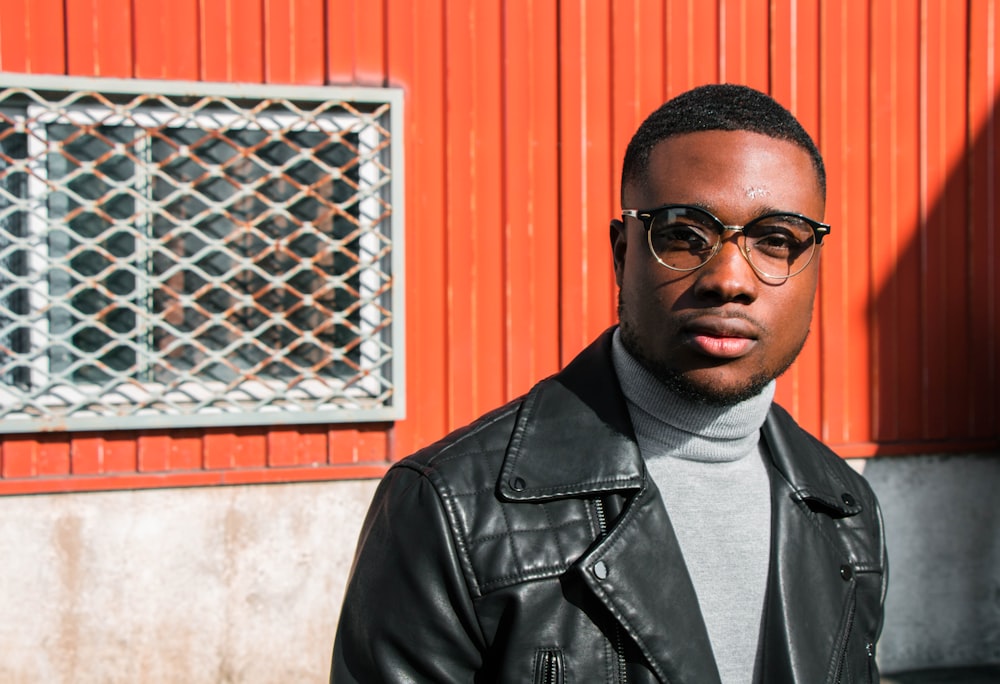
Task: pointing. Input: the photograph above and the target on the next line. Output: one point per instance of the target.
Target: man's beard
(691, 391)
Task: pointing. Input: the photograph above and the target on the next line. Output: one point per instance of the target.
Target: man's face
(721, 333)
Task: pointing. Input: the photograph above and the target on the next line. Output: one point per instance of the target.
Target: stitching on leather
(487, 464)
(545, 572)
(534, 530)
(478, 492)
(485, 422)
(591, 513)
(458, 532)
(458, 535)
(444, 457)
(555, 530)
(579, 487)
(510, 537)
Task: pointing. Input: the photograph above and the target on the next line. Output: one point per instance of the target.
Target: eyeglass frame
(647, 216)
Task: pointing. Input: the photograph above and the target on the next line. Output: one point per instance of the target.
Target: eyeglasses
(685, 238)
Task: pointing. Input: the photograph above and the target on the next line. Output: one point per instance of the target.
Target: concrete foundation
(226, 584)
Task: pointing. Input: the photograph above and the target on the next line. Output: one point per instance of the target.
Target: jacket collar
(564, 423)
(797, 458)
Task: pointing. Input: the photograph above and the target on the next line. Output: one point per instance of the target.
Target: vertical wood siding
(517, 117)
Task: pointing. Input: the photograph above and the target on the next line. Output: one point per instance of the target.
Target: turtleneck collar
(669, 425)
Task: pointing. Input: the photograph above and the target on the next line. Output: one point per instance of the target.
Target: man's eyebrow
(769, 209)
(702, 205)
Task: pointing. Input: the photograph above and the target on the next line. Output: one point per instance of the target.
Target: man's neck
(678, 427)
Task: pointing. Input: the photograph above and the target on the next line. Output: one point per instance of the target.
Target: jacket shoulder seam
(458, 537)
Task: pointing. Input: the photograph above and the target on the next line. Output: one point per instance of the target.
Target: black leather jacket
(531, 546)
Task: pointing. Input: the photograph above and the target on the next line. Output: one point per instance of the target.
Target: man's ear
(619, 238)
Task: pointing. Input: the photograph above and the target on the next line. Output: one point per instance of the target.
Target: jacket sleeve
(884, 584)
(407, 614)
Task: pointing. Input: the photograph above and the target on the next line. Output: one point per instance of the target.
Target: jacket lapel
(799, 642)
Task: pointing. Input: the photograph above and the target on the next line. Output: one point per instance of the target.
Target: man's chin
(708, 393)
(708, 386)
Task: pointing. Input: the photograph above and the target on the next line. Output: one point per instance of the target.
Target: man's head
(720, 331)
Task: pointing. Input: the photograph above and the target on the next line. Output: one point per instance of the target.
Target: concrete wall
(942, 519)
(244, 584)
(227, 584)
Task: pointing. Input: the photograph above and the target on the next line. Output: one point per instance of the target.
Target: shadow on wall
(943, 534)
(936, 357)
(936, 311)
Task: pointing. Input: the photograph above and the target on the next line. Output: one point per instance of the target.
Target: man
(647, 514)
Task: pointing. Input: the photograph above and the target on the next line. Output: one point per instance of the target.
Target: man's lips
(723, 338)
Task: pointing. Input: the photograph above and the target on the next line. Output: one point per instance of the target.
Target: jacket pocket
(549, 666)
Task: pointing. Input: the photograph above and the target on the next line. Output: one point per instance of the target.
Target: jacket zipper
(602, 526)
(602, 521)
(548, 668)
(847, 641)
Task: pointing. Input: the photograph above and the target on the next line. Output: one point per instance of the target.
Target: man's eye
(780, 240)
(775, 240)
(680, 237)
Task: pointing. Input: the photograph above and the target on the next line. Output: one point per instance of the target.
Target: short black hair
(717, 107)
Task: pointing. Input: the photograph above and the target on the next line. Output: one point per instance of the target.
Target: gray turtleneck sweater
(708, 463)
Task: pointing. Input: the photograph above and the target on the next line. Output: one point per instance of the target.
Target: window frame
(336, 408)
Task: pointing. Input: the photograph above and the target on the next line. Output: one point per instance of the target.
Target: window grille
(191, 254)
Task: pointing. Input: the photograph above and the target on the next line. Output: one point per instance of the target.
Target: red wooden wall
(517, 115)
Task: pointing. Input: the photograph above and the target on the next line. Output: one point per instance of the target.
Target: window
(178, 259)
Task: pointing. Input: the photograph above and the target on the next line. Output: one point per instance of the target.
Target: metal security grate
(184, 259)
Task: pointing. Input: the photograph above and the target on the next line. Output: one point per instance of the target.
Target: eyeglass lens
(684, 238)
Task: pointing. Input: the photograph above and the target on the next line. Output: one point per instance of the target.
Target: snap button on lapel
(846, 573)
(847, 499)
(600, 570)
(517, 484)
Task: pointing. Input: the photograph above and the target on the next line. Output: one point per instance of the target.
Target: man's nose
(728, 275)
